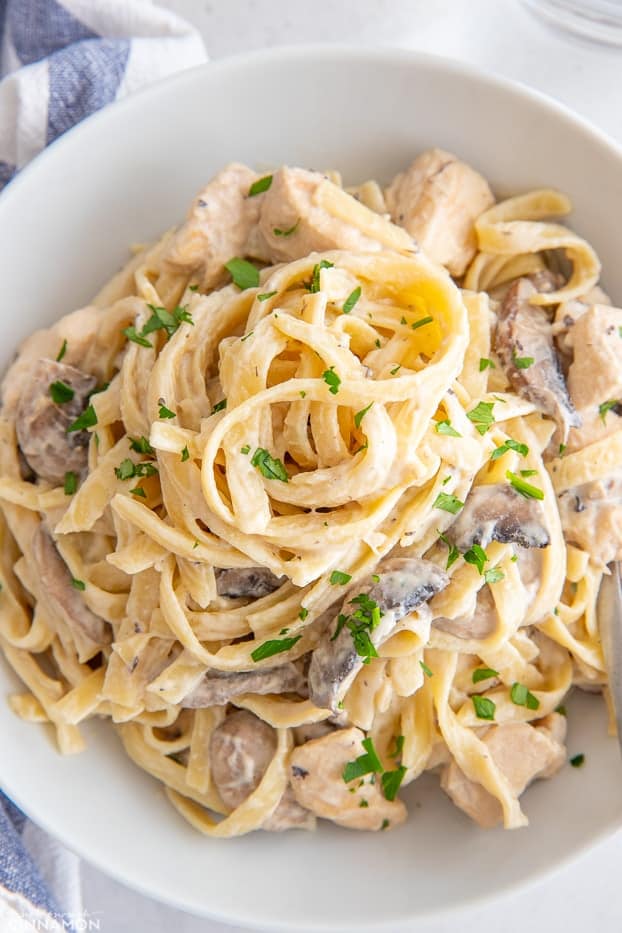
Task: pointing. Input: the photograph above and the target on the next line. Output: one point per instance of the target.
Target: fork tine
(609, 613)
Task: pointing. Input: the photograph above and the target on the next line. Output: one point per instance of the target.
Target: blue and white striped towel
(61, 60)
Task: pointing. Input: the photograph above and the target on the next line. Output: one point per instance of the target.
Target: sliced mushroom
(249, 582)
(91, 633)
(521, 752)
(438, 199)
(404, 584)
(524, 334)
(41, 424)
(218, 687)
(316, 775)
(241, 748)
(499, 513)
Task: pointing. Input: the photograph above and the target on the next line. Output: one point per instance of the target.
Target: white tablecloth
(503, 37)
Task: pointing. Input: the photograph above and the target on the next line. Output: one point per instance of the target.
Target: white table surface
(499, 36)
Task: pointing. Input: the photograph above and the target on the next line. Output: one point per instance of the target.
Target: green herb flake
(132, 334)
(447, 503)
(482, 416)
(396, 751)
(165, 412)
(139, 491)
(510, 444)
(426, 670)
(87, 419)
(577, 760)
(493, 575)
(385, 824)
(396, 369)
(391, 781)
(244, 274)
(351, 300)
(368, 763)
(483, 673)
(375, 578)
(332, 380)
(61, 393)
(126, 469)
(246, 336)
(314, 285)
(528, 472)
(485, 363)
(525, 489)
(277, 231)
(604, 407)
(78, 584)
(269, 466)
(303, 613)
(562, 449)
(453, 554)
(421, 322)
(484, 707)
(523, 362)
(361, 414)
(141, 445)
(265, 295)
(377, 343)
(259, 186)
(274, 646)
(561, 709)
(403, 320)
(185, 454)
(476, 556)
(193, 288)
(302, 393)
(521, 696)
(61, 352)
(71, 483)
(339, 578)
(219, 406)
(445, 427)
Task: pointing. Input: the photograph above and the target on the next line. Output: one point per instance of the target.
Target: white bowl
(65, 224)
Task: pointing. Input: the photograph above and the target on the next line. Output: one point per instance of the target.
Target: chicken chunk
(524, 345)
(41, 423)
(219, 687)
(90, 631)
(368, 615)
(249, 582)
(591, 517)
(241, 748)
(595, 374)
(316, 775)
(438, 199)
(499, 513)
(480, 623)
(522, 752)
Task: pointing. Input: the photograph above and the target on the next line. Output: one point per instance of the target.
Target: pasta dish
(317, 495)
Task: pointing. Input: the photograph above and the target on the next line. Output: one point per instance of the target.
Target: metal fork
(609, 614)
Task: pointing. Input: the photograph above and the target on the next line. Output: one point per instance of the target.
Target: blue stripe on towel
(40, 27)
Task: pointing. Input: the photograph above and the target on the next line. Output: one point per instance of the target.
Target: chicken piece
(249, 582)
(521, 752)
(218, 225)
(403, 585)
(91, 633)
(499, 513)
(291, 204)
(480, 623)
(595, 374)
(219, 687)
(524, 334)
(41, 424)
(569, 312)
(241, 748)
(438, 199)
(591, 517)
(316, 775)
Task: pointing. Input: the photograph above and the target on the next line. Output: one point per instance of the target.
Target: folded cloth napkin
(61, 60)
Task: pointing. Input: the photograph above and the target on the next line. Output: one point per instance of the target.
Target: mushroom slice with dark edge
(241, 748)
(218, 687)
(248, 582)
(497, 512)
(90, 631)
(403, 584)
(524, 344)
(41, 423)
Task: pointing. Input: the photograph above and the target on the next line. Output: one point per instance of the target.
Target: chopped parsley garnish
(246, 336)
(87, 419)
(351, 300)
(259, 186)
(562, 449)
(302, 393)
(368, 763)
(483, 673)
(528, 472)
(493, 575)
(403, 320)
(219, 406)
(604, 407)
(71, 483)
(244, 274)
(577, 760)
(484, 707)
(185, 454)
(482, 416)
(277, 231)
(391, 781)
(485, 363)
(445, 427)
(454, 553)
(377, 343)
(314, 285)
(448, 503)
(362, 802)
(561, 709)
(385, 824)
(161, 319)
(396, 369)
(246, 449)
(521, 696)
(332, 380)
(265, 295)
(375, 577)
(399, 745)
(141, 445)
(274, 646)
(426, 670)
(61, 393)
(303, 613)
(361, 414)
(78, 584)
(523, 362)
(269, 466)
(193, 288)
(132, 334)
(165, 412)
(510, 444)
(422, 322)
(524, 488)
(62, 351)
(126, 469)
(477, 556)
(339, 578)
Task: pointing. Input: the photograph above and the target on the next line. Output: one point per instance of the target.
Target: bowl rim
(291, 54)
